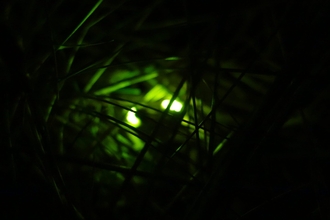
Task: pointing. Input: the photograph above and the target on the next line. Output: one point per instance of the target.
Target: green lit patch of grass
(164, 109)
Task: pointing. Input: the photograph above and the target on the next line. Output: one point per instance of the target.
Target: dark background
(267, 62)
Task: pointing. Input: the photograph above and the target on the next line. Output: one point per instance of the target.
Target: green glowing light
(176, 106)
(173, 58)
(132, 119)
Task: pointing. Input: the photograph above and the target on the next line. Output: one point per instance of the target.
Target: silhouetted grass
(249, 141)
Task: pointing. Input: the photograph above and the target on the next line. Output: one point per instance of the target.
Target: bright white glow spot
(176, 106)
(132, 119)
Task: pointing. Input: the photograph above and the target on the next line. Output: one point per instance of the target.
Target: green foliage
(90, 130)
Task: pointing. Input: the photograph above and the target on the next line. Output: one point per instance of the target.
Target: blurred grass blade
(126, 83)
(100, 71)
